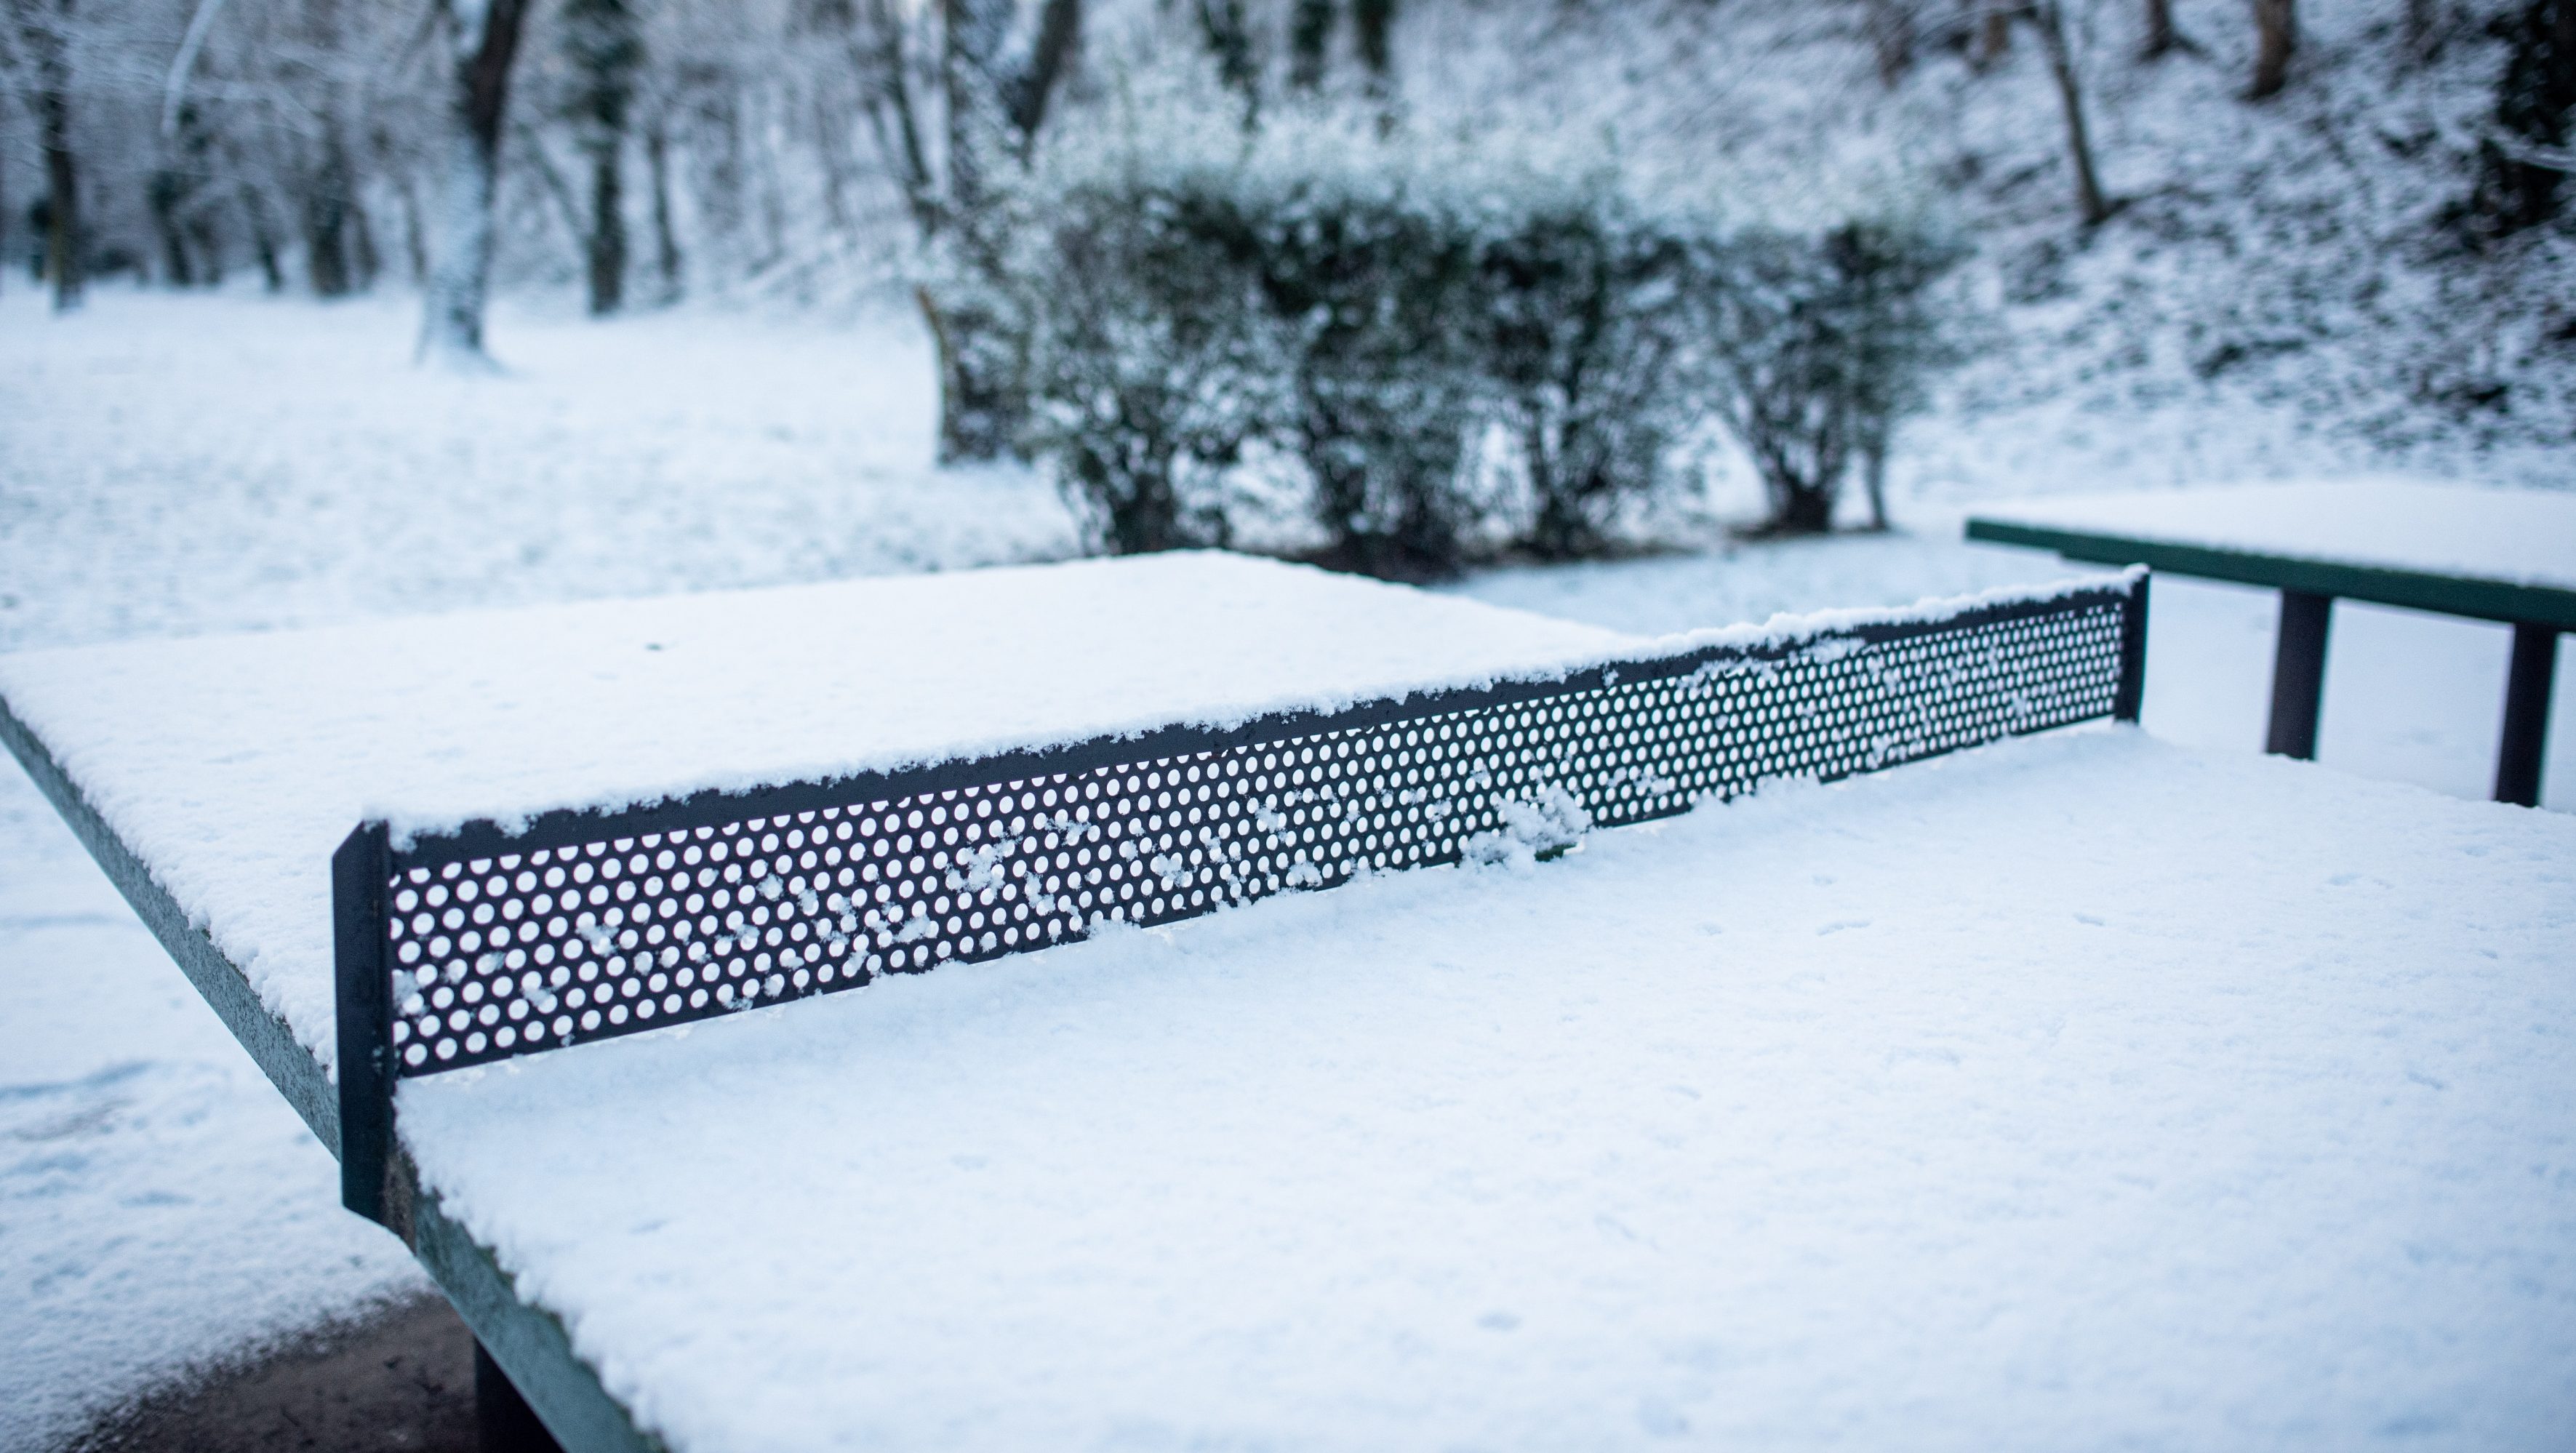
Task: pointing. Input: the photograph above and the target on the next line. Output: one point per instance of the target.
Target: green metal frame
(271, 1044)
(2490, 600)
(527, 1341)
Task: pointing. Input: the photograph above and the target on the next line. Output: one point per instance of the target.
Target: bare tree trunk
(1891, 39)
(991, 114)
(2159, 40)
(606, 46)
(263, 240)
(607, 251)
(1310, 41)
(2423, 30)
(2050, 19)
(2422, 24)
(1373, 27)
(769, 184)
(482, 40)
(718, 149)
(45, 36)
(63, 262)
(326, 214)
(191, 248)
(365, 262)
(208, 245)
(666, 241)
(1050, 56)
(970, 38)
(328, 186)
(894, 116)
(832, 150)
(1993, 36)
(415, 239)
(2276, 35)
(1226, 31)
(165, 194)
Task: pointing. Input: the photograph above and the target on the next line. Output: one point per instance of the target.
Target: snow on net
(638, 921)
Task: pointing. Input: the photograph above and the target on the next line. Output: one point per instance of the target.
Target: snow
(2515, 537)
(233, 765)
(207, 463)
(180, 465)
(2076, 1091)
(160, 1206)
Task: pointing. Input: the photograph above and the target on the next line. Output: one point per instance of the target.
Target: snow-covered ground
(159, 1204)
(183, 465)
(178, 466)
(2074, 1092)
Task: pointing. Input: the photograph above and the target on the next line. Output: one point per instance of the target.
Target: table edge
(2474, 597)
(529, 1342)
(526, 1339)
(291, 1068)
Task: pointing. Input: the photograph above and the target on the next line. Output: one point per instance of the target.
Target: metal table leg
(503, 1420)
(2526, 715)
(2299, 674)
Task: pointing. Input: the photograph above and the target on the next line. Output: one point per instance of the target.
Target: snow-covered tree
(952, 105)
(480, 39)
(2057, 39)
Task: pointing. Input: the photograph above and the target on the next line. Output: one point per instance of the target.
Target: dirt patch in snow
(399, 1378)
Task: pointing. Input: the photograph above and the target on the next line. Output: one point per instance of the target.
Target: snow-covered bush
(1376, 312)
(1817, 343)
(1373, 278)
(1586, 326)
(1150, 360)
(1182, 306)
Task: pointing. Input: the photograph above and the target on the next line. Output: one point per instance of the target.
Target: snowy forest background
(1106, 216)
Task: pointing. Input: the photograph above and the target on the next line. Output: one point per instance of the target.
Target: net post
(365, 1004)
(2299, 674)
(2131, 697)
(2524, 746)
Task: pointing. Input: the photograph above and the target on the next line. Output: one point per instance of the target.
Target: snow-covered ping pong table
(2488, 554)
(2071, 1088)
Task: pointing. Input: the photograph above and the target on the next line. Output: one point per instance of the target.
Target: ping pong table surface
(2074, 1087)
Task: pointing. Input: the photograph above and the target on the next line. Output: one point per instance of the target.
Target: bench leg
(2526, 715)
(503, 1420)
(2299, 674)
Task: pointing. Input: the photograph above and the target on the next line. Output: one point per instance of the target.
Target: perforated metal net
(515, 952)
